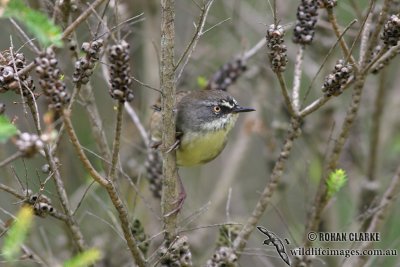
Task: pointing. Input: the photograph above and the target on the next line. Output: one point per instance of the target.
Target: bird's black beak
(238, 109)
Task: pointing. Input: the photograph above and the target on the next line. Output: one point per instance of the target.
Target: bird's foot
(179, 204)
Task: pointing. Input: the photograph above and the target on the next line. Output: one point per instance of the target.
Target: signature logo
(275, 241)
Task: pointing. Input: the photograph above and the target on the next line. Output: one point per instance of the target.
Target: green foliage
(84, 259)
(7, 129)
(36, 22)
(336, 181)
(202, 82)
(17, 233)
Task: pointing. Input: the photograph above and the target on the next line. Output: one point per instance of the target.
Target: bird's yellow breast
(200, 148)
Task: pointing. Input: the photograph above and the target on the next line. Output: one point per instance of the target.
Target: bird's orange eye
(216, 109)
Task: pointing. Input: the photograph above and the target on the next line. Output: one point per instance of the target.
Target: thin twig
(59, 184)
(111, 190)
(192, 45)
(75, 142)
(130, 21)
(135, 118)
(339, 35)
(321, 197)
(265, 197)
(296, 80)
(321, 101)
(285, 94)
(96, 124)
(10, 159)
(386, 58)
(326, 59)
(25, 36)
(314, 106)
(117, 141)
(252, 51)
(379, 57)
(12, 191)
(72, 27)
(376, 126)
(216, 25)
(373, 39)
(370, 186)
(385, 204)
(146, 85)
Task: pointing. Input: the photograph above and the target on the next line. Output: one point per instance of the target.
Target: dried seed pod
(176, 254)
(383, 62)
(41, 203)
(227, 75)
(85, 65)
(335, 81)
(139, 234)
(153, 166)
(227, 233)
(277, 49)
(327, 3)
(223, 256)
(9, 79)
(29, 144)
(120, 76)
(50, 80)
(391, 31)
(304, 29)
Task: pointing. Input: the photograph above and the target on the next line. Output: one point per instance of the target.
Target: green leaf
(17, 233)
(202, 82)
(84, 259)
(336, 180)
(7, 129)
(36, 22)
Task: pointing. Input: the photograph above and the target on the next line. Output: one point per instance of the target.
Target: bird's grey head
(207, 110)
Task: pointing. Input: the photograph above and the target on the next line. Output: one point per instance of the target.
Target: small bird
(203, 121)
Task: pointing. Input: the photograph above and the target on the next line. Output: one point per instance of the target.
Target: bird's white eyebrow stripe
(230, 104)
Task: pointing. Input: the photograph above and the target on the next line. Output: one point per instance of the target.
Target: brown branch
(59, 184)
(339, 36)
(72, 27)
(321, 198)
(111, 190)
(96, 124)
(297, 80)
(285, 94)
(192, 45)
(168, 87)
(56, 214)
(373, 39)
(370, 186)
(10, 159)
(78, 148)
(385, 204)
(117, 141)
(265, 197)
(134, 117)
(384, 61)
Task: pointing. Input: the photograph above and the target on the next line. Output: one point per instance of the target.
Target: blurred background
(226, 189)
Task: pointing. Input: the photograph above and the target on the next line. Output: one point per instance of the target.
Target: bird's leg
(181, 198)
(174, 146)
